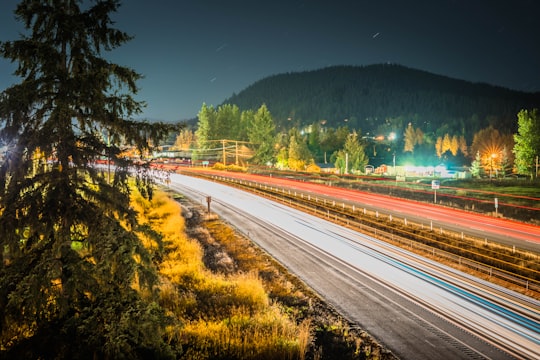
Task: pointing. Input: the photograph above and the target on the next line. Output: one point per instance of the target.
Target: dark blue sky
(195, 51)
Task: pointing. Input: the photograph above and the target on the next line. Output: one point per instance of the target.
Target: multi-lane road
(513, 233)
(417, 308)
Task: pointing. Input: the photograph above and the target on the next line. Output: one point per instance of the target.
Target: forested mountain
(385, 97)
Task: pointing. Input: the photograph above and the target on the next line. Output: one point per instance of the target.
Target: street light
(491, 157)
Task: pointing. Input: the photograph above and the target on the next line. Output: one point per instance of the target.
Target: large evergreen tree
(229, 124)
(262, 133)
(69, 250)
(204, 132)
(527, 142)
(352, 158)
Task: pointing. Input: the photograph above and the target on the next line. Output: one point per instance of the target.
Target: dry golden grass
(218, 314)
(267, 334)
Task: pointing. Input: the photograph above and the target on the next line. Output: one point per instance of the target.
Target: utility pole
(224, 155)
(236, 151)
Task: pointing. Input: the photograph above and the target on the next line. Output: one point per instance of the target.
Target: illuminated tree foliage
(262, 134)
(527, 141)
(225, 122)
(352, 158)
(439, 147)
(476, 169)
(489, 143)
(299, 156)
(412, 137)
(409, 138)
(69, 250)
(184, 140)
(204, 131)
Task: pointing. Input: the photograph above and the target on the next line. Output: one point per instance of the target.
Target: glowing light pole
(392, 137)
(491, 157)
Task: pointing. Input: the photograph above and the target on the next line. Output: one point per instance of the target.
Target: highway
(415, 307)
(508, 232)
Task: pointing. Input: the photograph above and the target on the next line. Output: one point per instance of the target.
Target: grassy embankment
(245, 312)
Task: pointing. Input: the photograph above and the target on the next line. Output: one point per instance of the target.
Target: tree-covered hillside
(377, 98)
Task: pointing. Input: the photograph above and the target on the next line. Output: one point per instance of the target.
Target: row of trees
(491, 149)
(297, 149)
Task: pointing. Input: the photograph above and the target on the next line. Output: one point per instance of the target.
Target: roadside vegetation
(216, 315)
(229, 300)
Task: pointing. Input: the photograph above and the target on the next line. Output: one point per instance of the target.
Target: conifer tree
(69, 250)
(262, 133)
(477, 170)
(352, 158)
(228, 123)
(203, 133)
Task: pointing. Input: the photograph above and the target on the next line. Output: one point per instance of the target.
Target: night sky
(202, 51)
